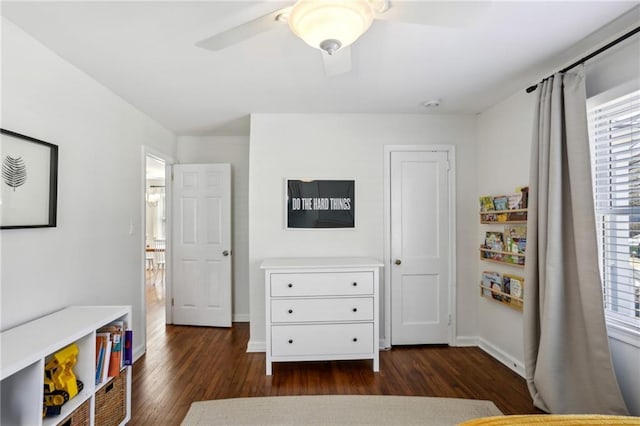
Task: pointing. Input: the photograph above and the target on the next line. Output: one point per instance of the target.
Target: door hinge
(171, 175)
(172, 301)
(449, 322)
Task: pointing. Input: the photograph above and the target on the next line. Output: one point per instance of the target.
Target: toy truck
(60, 383)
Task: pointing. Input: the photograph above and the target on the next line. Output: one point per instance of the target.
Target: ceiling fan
(333, 25)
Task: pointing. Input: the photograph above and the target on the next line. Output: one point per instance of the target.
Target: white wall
(349, 146)
(91, 257)
(504, 142)
(235, 151)
(504, 138)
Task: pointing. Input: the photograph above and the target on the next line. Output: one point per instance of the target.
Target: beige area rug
(338, 410)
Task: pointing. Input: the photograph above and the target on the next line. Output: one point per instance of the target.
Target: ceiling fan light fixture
(330, 24)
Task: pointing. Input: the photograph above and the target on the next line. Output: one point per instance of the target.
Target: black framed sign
(315, 203)
(29, 186)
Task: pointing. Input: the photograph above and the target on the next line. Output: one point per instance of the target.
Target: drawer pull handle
(289, 285)
(290, 341)
(355, 339)
(355, 309)
(290, 311)
(355, 284)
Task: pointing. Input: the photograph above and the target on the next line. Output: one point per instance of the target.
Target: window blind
(615, 154)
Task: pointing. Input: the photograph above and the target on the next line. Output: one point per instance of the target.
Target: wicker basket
(111, 402)
(79, 416)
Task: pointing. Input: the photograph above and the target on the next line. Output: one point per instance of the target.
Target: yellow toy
(60, 384)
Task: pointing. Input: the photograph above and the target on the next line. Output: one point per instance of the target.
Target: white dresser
(322, 309)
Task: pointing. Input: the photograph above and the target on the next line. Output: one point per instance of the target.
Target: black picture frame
(320, 204)
(28, 182)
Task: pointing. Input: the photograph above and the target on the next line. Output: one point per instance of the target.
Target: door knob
(398, 262)
(225, 253)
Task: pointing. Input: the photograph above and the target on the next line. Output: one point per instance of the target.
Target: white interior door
(420, 221)
(201, 245)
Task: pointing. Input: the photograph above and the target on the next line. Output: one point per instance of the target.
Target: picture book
(522, 245)
(486, 204)
(514, 201)
(506, 288)
(513, 285)
(494, 240)
(501, 202)
(492, 283)
(517, 286)
(515, 231)
(525, 197)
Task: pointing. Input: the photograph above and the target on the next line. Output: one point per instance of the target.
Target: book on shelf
(107, 362)
(128, 347)
(102, 367)
(99, 355)
(103, 348)
(486, 203)
(515, 231)
(501, 202)
(116, 333)
(494, 240)
(525, 197)
(513, 285)
(514, 201)
(506, 288)
(492, 282)
(517, 246)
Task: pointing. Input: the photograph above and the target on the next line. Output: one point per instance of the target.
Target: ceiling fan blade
(338, 63)
(243, 31)
(436, 13)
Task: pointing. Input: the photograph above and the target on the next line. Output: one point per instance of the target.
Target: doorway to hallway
(155, 242)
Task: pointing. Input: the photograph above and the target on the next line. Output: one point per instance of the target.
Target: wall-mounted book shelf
(501, 297)
(504, 257)
(504, 216)
(505, 246)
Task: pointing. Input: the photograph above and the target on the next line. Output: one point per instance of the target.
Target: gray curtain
(567, 358)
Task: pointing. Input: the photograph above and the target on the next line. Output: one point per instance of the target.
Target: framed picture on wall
(29, 181)
(320, 203)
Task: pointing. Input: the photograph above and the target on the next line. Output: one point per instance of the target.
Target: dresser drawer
(321, 339)
(306, 310)
(321, 284)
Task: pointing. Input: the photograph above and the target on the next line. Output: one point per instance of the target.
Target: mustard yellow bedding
(554, 420)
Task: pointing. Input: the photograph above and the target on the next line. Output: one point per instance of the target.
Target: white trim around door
(169, 161)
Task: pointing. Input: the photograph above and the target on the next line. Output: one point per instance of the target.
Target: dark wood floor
(187, 364)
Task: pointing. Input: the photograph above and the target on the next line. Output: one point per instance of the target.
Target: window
(615, 154)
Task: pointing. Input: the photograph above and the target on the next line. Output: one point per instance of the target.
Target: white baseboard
(502, 356)
(465, 341)
(138, 351)
(254, 346)
(240, 318)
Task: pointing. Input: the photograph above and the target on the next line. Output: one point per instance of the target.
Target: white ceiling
(144, 52)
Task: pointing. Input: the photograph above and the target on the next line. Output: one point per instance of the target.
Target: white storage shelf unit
(25, 348)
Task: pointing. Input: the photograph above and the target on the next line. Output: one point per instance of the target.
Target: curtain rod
(591, 55)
